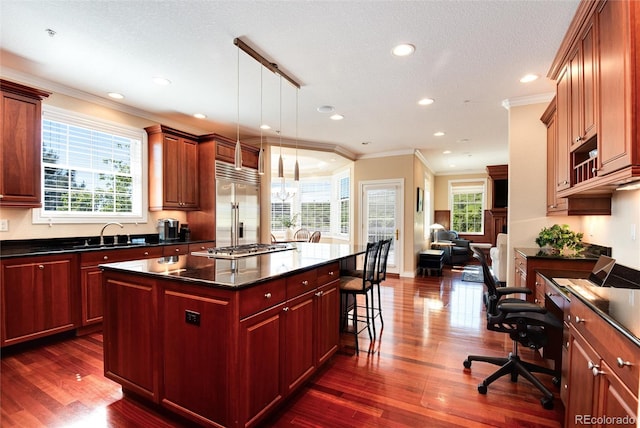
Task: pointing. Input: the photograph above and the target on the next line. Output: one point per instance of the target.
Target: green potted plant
(560, 239)
(289, 223)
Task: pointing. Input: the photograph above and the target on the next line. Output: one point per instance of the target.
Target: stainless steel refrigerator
(237, 205)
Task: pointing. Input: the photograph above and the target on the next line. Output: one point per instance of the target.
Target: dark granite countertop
(590, 252)
(622, 308)
(40, 247)
(239, 273)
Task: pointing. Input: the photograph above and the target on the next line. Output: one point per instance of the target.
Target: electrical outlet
(4, 225)
(191, 317)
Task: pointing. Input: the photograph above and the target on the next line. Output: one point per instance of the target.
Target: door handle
(397, 234)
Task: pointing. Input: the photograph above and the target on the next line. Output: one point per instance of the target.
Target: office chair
(352, 286)
(526, 323)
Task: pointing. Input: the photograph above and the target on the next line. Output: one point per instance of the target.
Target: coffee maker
(168, 229)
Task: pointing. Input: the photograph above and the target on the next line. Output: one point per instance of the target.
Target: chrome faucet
(104, 227)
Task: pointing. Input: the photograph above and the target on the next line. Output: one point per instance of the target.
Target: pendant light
(237, 164)
(280, 161)
(296, 169)
(260, 156)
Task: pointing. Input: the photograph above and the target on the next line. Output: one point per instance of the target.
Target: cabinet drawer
(540, 291)
(521, 263)
(201, 246)
(301, 283)
(618, 352)
(258, 298)
(175, 250)
(93, 258)
(328, 273)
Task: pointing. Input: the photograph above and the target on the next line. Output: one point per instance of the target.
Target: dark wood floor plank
(413, 378)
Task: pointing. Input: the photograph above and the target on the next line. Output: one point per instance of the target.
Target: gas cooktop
(235, 252)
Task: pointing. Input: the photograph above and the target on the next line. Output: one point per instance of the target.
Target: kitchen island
(222, 342)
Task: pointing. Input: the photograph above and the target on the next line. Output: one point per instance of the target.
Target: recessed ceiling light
(325, 109)
(115, 95)
(452, 165)
(265, 126)
(404, 49)
(161, 81)
(438, 134)
(336, 117)
(528, 78)
(50, 32)
(426, 101)
(199, 116)
(446, 152)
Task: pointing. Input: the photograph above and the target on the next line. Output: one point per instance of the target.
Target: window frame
(468, 186)
(39, 216)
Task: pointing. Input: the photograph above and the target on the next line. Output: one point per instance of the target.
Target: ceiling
(469, 58)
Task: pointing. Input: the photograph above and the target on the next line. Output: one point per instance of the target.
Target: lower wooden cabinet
(38, 297)
(218, 356)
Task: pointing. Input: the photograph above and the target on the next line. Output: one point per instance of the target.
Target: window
(467, 207)
(344, 191)
(91, 170)
(279, 212)
(315, 205)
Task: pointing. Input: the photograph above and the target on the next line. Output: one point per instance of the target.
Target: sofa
(457, 254)
(498, 256)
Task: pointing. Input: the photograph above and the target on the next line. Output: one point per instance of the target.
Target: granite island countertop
(242, 272)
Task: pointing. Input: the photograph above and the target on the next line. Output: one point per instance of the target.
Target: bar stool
(381, 275)
(351, 287)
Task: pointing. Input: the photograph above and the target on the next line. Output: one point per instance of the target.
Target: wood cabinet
(528, 260)
(91, 278)
(38, 296)
(173, 169)
(20, 145)
(225, 150)
(219, 356)
(175, 250)
(598, 94)
(603, 370)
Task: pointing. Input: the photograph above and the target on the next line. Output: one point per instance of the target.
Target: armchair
(459, 252)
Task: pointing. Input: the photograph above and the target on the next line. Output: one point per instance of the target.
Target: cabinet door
(583, 386)
(196, 365)
(616, 401)
(300, 334)
(130, 329)
(91, 292)
(554, 204)
(588, 84)
(189, 193)
(614, 135)
(37, 298)
(327, 321)
(171, 171)
(261, 344)
(20, 151)
(562, 148)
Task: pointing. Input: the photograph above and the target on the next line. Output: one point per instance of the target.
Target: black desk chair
(526, 323)
(351, 287)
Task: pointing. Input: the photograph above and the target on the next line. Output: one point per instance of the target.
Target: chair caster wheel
(482, 388)
(514, 377)
(466, 364)
(555, 381)
(547, 403)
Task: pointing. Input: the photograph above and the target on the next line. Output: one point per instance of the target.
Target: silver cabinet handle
(105, 258)
(286, 309)
(40, 267)
(146, 253)
(267, 295)
(319, 293)
(622, 363)
(177, 250)
(331, 273)
(579, 320)
(305, 283)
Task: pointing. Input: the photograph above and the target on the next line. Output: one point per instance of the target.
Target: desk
(431, 260)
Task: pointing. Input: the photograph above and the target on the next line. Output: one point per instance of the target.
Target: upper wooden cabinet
(20, 145)
(225, 150)
(173, 169)
(598, 94)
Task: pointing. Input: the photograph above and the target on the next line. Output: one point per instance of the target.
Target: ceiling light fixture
(115, 95)
(325, 109)
(280, 161)
(199, 116)
(438, 134)
(260, 155)
(336, 117)
(265, 126)
(404, 49)
(161, 81)
(426, 101)
(528, 78)
(446, 152)
(296, 168)
(50, 32)
(237, 158)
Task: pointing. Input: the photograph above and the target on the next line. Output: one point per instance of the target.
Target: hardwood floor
(413, 376)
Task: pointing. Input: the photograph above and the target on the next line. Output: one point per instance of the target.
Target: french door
(382, 210)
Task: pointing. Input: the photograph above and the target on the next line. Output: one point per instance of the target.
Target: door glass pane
(381, 217)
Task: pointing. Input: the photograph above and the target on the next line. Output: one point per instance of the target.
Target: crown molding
(301, 144)
(530, 99)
